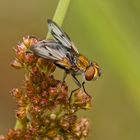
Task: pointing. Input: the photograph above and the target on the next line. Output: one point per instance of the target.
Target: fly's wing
(49, 50)
(60, 35)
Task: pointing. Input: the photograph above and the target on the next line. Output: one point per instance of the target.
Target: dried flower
(82, 100)
(44, 108)
(81, 127)
(16, 64)
(2, 137)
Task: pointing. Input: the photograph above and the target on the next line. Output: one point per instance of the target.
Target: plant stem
(60, 13)
(18, 125)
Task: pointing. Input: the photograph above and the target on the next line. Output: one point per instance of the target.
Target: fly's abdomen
(64, 63)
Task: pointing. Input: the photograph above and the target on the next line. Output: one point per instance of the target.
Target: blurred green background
(107, 31)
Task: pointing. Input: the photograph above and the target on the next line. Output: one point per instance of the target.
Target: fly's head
(93, 71)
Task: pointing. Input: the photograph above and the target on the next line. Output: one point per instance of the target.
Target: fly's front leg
(79, 86)
(83, 85)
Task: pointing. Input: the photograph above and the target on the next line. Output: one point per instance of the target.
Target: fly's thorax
(92, 72)
(82, 62)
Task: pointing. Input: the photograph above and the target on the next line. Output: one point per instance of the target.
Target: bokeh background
(107, 31)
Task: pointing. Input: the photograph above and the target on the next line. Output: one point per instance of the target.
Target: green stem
(60, 13)
(58, 18)
(18, 125)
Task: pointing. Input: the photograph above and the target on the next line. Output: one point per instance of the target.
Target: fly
(63, 53)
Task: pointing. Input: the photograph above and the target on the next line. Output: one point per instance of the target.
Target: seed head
(82, 99)
(43, 104)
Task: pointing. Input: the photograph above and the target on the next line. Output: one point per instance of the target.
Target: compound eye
(89, 74)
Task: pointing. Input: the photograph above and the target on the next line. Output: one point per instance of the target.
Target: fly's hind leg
(64, 76)
(78, 84)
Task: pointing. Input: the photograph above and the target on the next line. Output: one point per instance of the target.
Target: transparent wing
(60, 35)
(49, 50)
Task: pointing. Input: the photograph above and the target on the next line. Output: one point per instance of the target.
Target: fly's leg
(83, 85)
(64, 76)
(76, 81)
(78, 84)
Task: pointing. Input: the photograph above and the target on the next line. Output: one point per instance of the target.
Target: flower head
(43, 105)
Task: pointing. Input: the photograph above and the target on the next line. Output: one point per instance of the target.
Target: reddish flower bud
(52, 91)
(29, 41)
(44, 94)
(58, 137)
(44, 85)
(2, 137)
(64, 124)
(16, 93)
(44, 102)
(16, 64)
(29, 58)
(21, 48)
(35, 99)
(14, 134)
(36, 109)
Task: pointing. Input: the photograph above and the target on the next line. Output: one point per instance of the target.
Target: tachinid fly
(62, 52)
